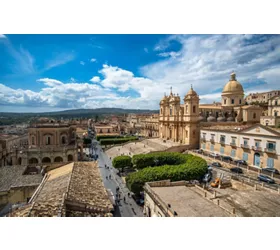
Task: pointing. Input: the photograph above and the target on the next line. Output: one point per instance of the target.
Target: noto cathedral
(182, 122)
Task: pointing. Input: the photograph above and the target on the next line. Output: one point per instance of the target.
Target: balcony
(212, 140)
(233, 144)
(256, 148)
(270, 150)
(203, 139)
(245, 146)
(222, 142)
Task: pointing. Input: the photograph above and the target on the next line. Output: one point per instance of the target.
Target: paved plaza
(141, 147)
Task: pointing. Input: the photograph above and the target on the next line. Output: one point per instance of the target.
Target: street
(217, 171)
(123, 209)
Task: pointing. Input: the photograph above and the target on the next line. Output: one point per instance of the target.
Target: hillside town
(189, 159)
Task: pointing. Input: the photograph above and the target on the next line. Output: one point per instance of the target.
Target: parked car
(236, 170)
(215, 155)
(271, 170)
(216, 164)
(265, 178)
(226, 158)
(199, 151)
(241, 162)
(207, 177)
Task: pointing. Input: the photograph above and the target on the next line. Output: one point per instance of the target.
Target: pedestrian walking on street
(124, 199)
(110, 177)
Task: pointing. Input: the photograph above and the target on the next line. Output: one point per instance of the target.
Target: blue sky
(58, 72)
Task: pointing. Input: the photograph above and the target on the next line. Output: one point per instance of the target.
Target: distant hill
(7, 118)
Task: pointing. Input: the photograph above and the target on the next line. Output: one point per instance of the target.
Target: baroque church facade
(181, 122)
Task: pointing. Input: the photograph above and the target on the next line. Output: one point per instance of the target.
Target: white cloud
(50, 82)
(169, 54)
(24, 61)
(58, 60)
(82, 62)
(207, 61)
(204, 61)
(2, 36)
(95, 79)
(93, 60)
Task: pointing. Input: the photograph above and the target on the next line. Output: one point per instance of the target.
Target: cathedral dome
(191, 92)
(233, 86)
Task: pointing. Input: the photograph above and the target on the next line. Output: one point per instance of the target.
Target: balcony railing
(212, 140)
(203, 139)
(245, 146)
(233, 144)
(270, 150)
(222, 142)
(256, 148)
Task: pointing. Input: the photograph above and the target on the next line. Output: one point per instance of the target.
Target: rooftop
(187, 202)
(242, 198)
(226, 127)
(12, 176)
(75, 189)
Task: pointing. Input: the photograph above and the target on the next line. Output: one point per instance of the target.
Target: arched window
(48, 140)
(63, 140)
(232, 101)
(33, 140)
(161, 110)
(240, 101)
(254, 116)
(225, 101)
(193, 109)
(276, 103)
(186, 109)
(170, 111)
(275, 113)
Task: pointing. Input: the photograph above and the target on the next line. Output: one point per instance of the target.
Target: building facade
(261, 97)
(51, 142)
(150, 126)
(232, 106)
(181, 122)
(11, 149)
(273, 114)
(177, 122)
(258, 145)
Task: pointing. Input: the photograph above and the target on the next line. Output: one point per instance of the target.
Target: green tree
(120, 162)
(193, 168)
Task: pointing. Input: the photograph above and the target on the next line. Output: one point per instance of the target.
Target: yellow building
(232, 106)
(273, 114)
(177, 122)
(257, 144)
(51, 142)
(261, 97)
